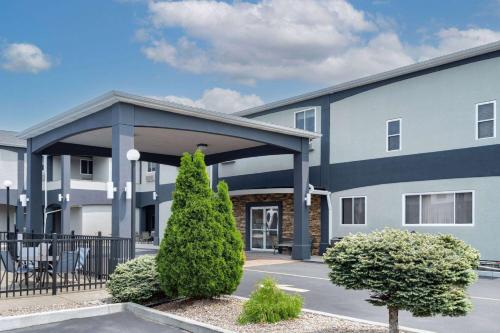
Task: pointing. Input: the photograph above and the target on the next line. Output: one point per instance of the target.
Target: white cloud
(218, 99)
(22, 57)
(327, 41)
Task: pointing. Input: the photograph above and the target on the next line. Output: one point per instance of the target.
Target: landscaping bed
(224, 311)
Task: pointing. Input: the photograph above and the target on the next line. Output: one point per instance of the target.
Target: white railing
(88, 185)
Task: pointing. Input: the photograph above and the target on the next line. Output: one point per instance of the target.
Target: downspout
(328, 195)
(45, 213)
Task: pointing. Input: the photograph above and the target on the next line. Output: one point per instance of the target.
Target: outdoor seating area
(48, 263)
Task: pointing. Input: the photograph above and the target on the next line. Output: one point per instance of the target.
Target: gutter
(328, 195)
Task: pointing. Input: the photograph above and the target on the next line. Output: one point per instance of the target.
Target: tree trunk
(393, 320)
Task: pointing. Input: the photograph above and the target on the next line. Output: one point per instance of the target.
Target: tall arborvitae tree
(232, 243)
(191, 257)
(424, 274)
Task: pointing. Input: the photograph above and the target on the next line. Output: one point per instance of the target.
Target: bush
(424, 274)
(233, 254)
(191, 258)
(269, 304)
(135, 281)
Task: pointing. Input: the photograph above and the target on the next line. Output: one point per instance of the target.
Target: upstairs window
(86, 166)
(353, 210)
(151, 167)
(306, 120)
(486, 120)
(393, 132)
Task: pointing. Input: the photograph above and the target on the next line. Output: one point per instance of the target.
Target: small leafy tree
(421, 273)
(232, 243)
(190, 260)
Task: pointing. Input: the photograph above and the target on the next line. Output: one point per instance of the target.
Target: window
(447, 208)
(86, 166)
(151, 167)
(306, 120)
(486, 120)
(393, 135)
(353, 210)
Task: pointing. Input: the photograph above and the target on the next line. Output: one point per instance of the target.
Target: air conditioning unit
(150, 177)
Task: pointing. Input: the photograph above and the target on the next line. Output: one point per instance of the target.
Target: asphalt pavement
(311, 281)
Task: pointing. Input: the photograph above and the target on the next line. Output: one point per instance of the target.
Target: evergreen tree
(421, 273)
(232, 243)
(191, 261)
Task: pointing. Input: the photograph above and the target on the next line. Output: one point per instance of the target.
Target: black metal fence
(50, 263)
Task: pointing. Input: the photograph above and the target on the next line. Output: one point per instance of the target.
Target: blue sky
(223, 56)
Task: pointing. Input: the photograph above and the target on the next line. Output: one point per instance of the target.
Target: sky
(220, 55)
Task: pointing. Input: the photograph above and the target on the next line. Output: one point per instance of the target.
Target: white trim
(387, 136)
(261, 191)
(113, 97)
(304, 111)
(494, 120)
(88, 159)
(454, 224)
(366, 210)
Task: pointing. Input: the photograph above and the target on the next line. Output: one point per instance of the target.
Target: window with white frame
(306, 120)
(486, 120)
(447, 208)
(353, 210)
(393, 131)
(151, 167)
(86, 166)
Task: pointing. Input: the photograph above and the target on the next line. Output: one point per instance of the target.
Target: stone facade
(286, 199)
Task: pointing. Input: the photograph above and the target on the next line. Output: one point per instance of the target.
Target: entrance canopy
(162, 131)
(116, 122)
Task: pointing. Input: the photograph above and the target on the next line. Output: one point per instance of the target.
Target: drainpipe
(45, 210)
(328, 194)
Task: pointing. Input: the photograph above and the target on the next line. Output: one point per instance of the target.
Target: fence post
(54, 263)
(99, 256)
(72, 241)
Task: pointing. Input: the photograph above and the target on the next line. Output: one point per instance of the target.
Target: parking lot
(311, 281)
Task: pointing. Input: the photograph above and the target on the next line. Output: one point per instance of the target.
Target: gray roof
(431, 63)
(10, 139)
(113, 97)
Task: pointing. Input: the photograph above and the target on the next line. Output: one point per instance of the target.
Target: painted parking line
(288, 287)
(287, 274)
(326, 279)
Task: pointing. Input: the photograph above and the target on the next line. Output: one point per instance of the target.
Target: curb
(42, 318)
(357, 320)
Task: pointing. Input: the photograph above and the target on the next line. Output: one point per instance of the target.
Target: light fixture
(202, 146)
(7, 184)
(60, 197)
(133, 155)
(24, 200)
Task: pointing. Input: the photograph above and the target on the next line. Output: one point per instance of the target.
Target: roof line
(113, 97)
(427, 64)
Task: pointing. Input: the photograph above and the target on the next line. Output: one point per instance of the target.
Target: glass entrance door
(263, 227)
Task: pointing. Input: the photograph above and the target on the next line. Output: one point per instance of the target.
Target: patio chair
(83, 253)
(65, 265)
(9, 265)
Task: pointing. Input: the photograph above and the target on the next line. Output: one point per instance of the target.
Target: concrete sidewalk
(41, 303)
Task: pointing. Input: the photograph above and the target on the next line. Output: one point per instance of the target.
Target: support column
(301, 238)
(215, 176)
(123, 141)
(20, 210)
(34, 190)
(65, 189)
(158, 232)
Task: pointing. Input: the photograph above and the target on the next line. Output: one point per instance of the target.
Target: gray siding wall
(8, 167)
(437, 111)
(278, 162)
(385, 209)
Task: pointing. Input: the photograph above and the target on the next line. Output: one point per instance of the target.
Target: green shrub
(135, 281)
(232, 243)
(191, 257)
(425, 274)
(269, 304)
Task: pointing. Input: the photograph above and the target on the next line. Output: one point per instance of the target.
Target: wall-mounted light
(67, 197)
(128, 190)
(24, 200)
(155, 195)
(110, 190)
(60, 197)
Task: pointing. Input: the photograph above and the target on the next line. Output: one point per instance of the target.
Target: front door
(263, 227)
